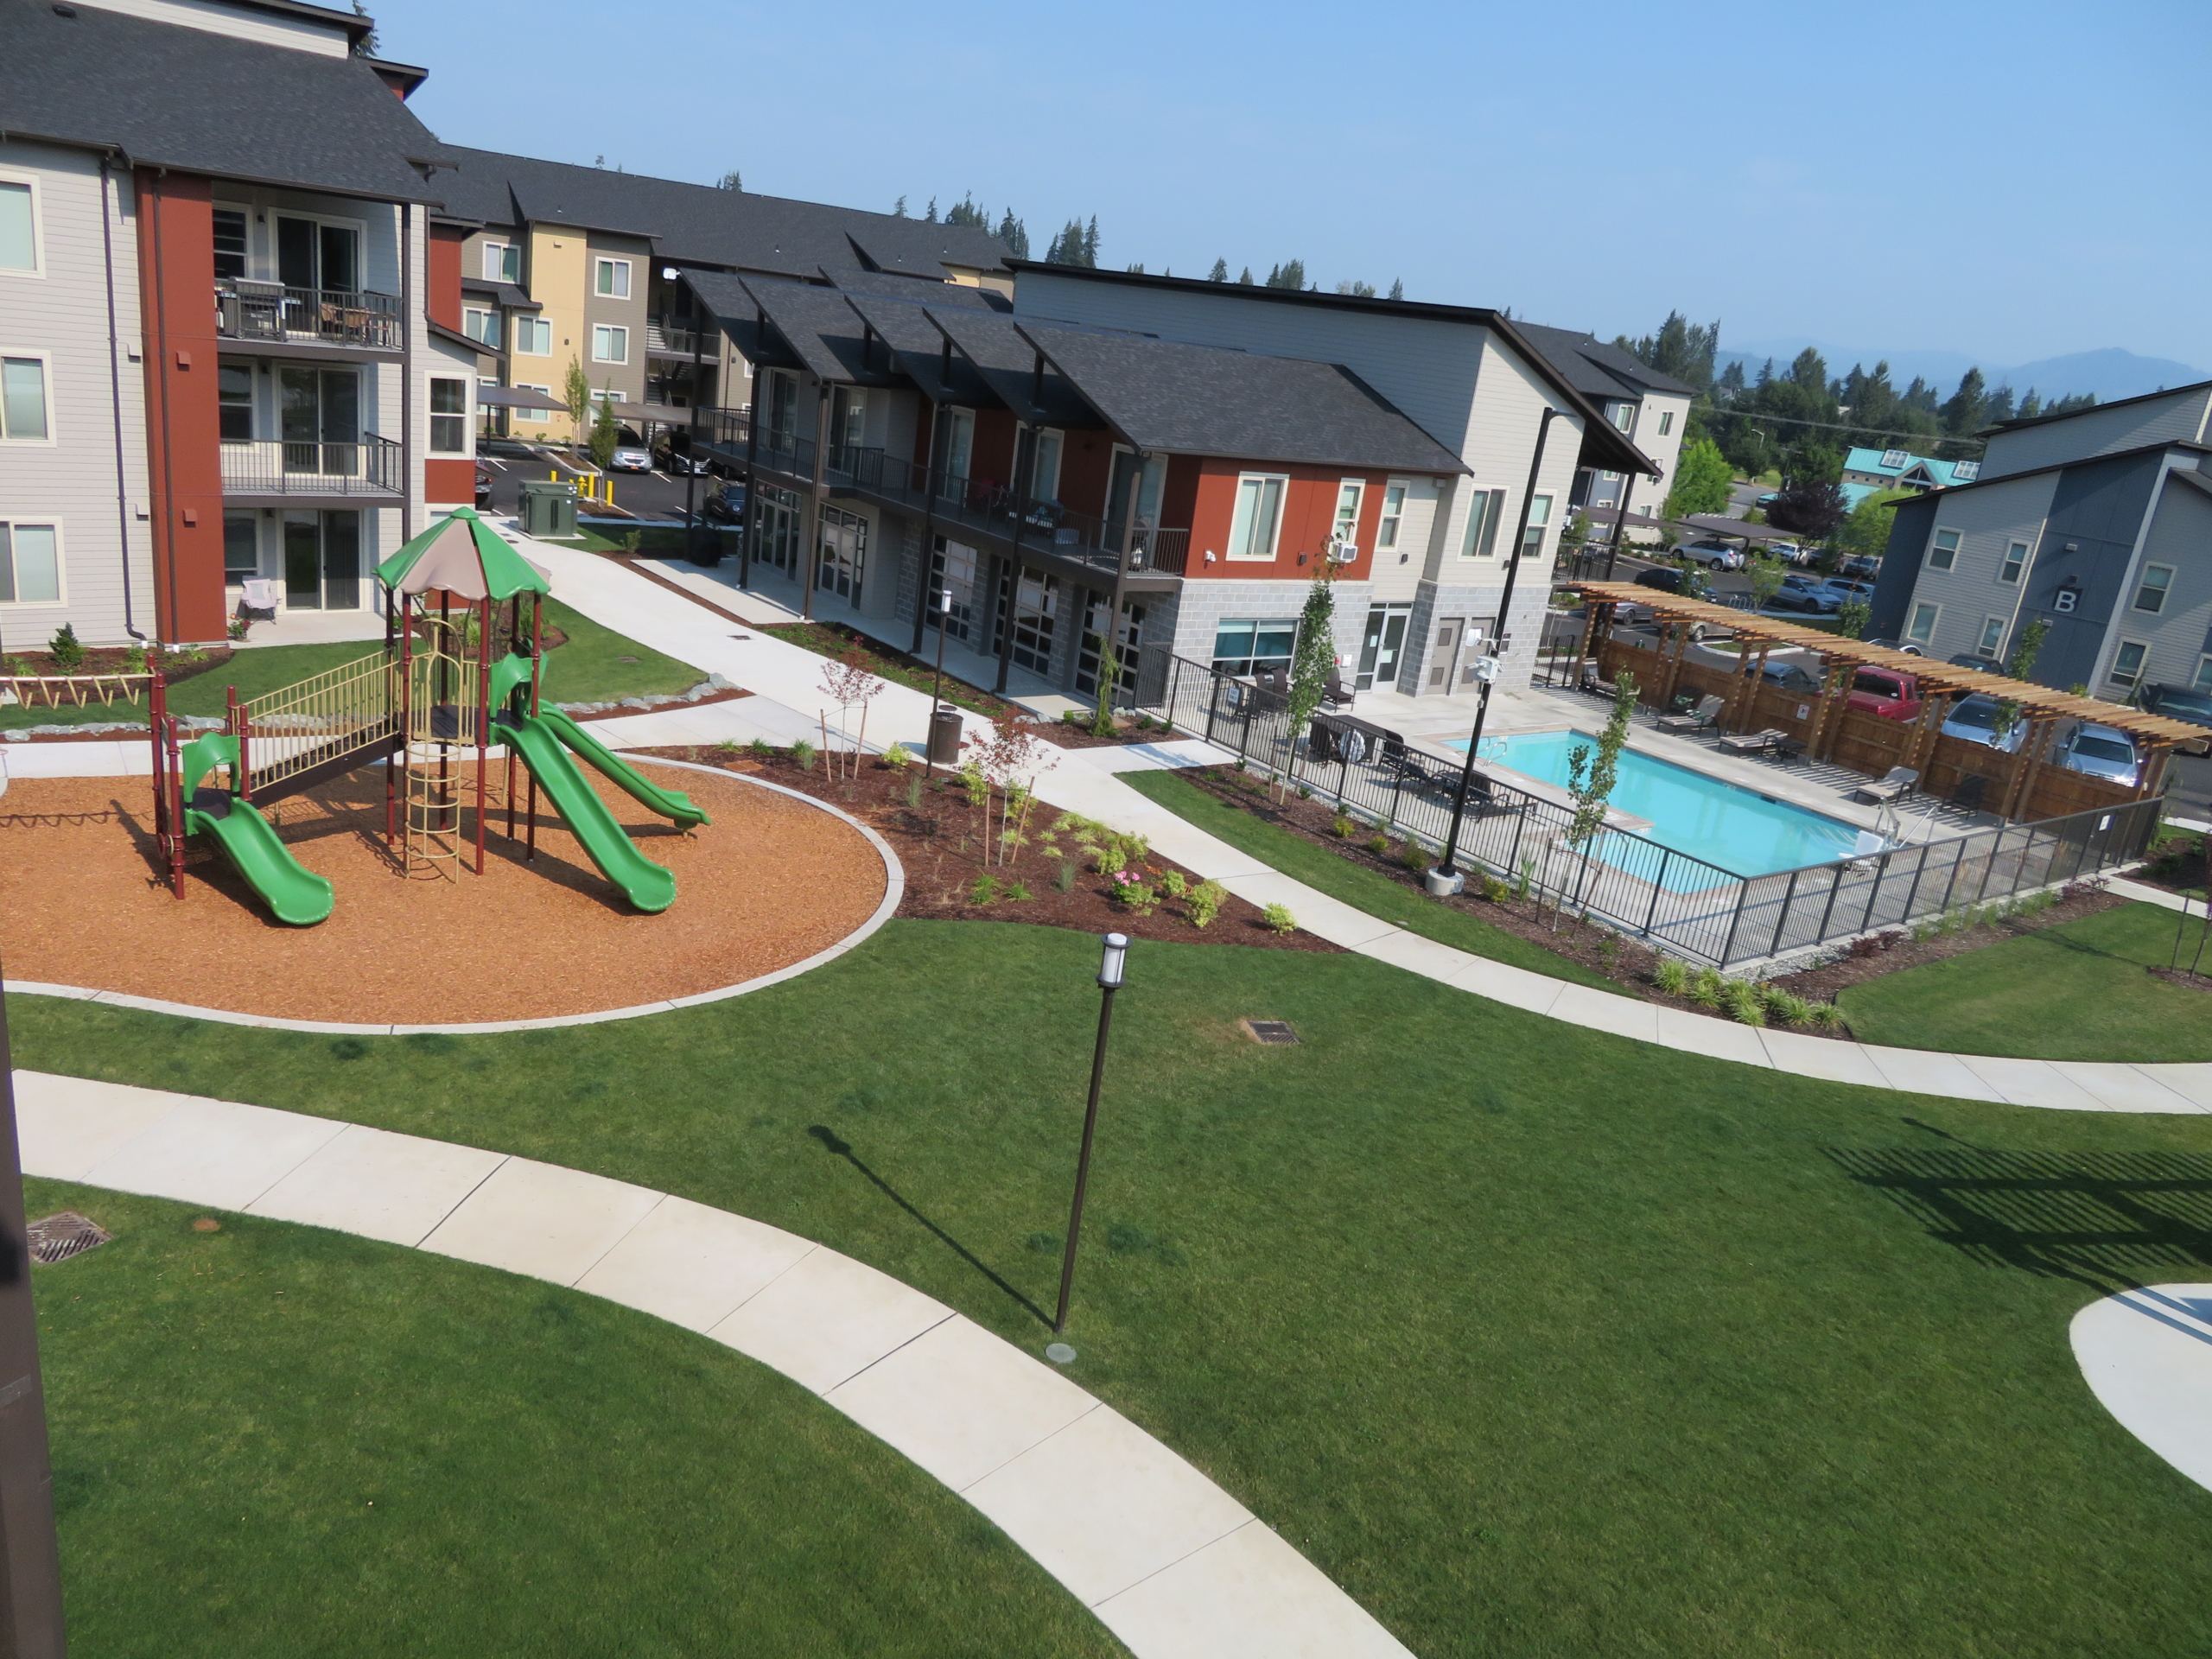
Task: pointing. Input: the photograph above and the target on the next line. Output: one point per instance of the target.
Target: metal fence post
(1657, 887)
(1996, 846)
(1875, 892)
(1952, 880)
(1782, 921)
(1913, 892)
(1828, 909)
(1728, 946)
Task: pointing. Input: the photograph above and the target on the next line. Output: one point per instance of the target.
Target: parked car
(1974, 718)
(483, 487)
(1885, 692)
(1664, 577)
(1845, 588)
(1967, 659)
(1860, 565)
(1803, 593)
(1790, 676)
(2181, 702)
(1716, 555)
(631, 458)
(2100, 752)
(670, 459)
(1768, 500)
(726, 505)
(1791, 553)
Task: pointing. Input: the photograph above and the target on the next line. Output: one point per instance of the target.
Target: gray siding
(61, 314)
(2179, 417)
(2098, 514)
(1988, 520)
(2180, 634)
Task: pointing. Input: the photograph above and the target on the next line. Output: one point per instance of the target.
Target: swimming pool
(1738, 828)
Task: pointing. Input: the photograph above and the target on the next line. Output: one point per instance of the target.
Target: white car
(2101, 752)
(1714, 555)
(1789, 553)
(630, 458)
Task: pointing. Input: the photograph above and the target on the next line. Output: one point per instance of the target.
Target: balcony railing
(323, 317)
(663, 340)
(275, 467)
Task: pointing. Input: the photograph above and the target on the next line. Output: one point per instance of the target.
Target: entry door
(313, 255)
(320, 419)
(1445, 657)
(323, 561)
(1380, 647)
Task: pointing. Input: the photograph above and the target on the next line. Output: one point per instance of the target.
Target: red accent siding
(1178, 497)
(442, 302)
(449, 482)
(1086, 468)
(991, 458)
(1309, 514)
(176, 263)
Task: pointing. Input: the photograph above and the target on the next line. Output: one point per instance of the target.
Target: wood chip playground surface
(771, 882)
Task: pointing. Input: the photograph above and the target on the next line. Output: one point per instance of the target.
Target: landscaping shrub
(1340, 826)
(1824, 1016)
(898, 757)
(1131, 889)
(1379, 845)
(67, 651)
(1280, 918)
(983, 890)
(1526, 880)
(1065, 881)
(761, 748)
(1744, 1003)
(1786, 1007)
(1204, 903)
(1672, 976)
(1174, 885)
(1491, 887)
(913, 791)
(1016, 890)
(972, 780)
(803, 755)
(1708, 988)
(1414, 857)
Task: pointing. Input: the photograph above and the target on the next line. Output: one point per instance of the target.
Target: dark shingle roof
(206, 103)
(1208, 400)
(1595, 369)
(700, 223)
(921, 291)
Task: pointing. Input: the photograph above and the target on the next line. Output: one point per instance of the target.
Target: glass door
(323, 561)
(1380, 646)
(319, 413)
(953, 566)
(1150, 480)
(844, 554)
(1036, 605)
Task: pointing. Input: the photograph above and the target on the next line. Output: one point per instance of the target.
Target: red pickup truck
(1884, 692)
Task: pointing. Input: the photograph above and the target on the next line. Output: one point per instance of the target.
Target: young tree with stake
(1313, 662)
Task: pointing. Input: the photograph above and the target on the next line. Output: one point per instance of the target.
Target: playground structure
(459, 671)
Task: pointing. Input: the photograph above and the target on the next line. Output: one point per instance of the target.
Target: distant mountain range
(2110, 373)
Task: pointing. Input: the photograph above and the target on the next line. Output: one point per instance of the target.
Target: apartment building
(219, 362)
(921, 459)
(1466, 376)
(1647, 408)
(570, 264)
(2098, 522)
(1867, 471)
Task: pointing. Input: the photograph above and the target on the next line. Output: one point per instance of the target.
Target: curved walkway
(2147, 1354)
(1168, 1561)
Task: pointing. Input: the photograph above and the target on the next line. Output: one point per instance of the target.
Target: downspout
(115, 395)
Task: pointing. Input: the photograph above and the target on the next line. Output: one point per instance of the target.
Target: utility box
(548, 509)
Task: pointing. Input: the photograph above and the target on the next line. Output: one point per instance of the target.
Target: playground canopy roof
(463, 555)
(2037, 701)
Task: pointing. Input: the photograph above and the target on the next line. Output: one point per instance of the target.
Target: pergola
(1829, 730)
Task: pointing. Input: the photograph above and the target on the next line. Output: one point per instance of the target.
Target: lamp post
(30, 1555)
(1109, 981)
(1445, 879)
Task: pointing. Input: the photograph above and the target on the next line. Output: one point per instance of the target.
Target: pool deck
(1431, 725)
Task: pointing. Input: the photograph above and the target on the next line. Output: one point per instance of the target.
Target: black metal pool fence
(1680, 904)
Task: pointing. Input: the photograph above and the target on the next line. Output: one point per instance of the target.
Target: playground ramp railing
(320, 719)
(52, 690)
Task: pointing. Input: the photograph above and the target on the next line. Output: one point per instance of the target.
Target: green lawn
(596, 664)
(1363, 889)
(273, 1440)
(2075, 992)
(1541, 1343)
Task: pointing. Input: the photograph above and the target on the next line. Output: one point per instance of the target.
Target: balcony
(663, 340)
(271, 314)
(368, 471)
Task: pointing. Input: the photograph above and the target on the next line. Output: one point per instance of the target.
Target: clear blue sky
(2012, 180)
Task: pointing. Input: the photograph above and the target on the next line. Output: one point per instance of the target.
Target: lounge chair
(1707, 711)
(1898, 781)
(1754, 742)
(1596, 684)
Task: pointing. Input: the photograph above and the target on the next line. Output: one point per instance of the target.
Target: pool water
(1723, 823)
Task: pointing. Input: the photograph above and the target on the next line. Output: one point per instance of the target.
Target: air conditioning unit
(1342, 552)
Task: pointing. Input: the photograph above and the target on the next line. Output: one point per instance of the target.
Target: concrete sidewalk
(1169, 1562)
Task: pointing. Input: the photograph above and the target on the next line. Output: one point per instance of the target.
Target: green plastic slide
(648, 886)
(668, 803)
(294, 893)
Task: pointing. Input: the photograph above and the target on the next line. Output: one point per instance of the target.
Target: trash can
(944, 737)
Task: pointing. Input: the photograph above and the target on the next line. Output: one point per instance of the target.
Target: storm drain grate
(1269, 1031)
(58, 1237)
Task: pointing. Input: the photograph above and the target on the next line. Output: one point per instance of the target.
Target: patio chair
(1753, 742)
(1789, 748)
(1596, 684)
(1967, 796)
(1898, 781)
(1707, 711)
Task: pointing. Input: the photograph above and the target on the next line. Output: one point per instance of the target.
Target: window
(1991, 643)
(609, 344)
(533, 337)
(1258, 518)
(1044, 469)
(612, 281)
(2127, 663)
(1036, 613)
(30, 564)
(1247, 647)
(1540, 516)
(241, 548)
(1625, 417)
(2204, 680)
(18, 226)
(844, 563)
(535, 419)
(1394, 515)
(448, 417)
(1482, 524)
(1923, 623)
(229, 243)
(234, 398)
(1350, 493)
(23, 400)
(502, 263)
(1611, 478)
(481, 324)
(1666, 423)
(2151, 591)
(1944, 553)
(2016, 560)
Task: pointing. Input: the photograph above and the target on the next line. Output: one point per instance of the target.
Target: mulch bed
(770, 882)
(2179, 864)
(1626, 962)
(939, 843)
(2183, 978)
